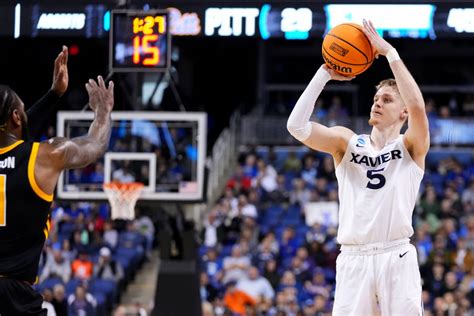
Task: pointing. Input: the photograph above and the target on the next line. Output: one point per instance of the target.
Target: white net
(122, 198)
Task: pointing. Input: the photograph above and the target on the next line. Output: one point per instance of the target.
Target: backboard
(163, 150)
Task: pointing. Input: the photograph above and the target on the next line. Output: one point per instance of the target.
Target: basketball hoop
(122, 198)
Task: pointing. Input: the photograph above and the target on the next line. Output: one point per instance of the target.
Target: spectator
(244, 208)
(450, 284)
(280, 195)
(49, 308)
(82, 267)
(444, 112)
(207, 309)
(300, 194)
(292, 163)
(307, 263)
(97, 176)
(67, 252)
(124, 174)
(327, 170)
(266, 177)
(110, 234)
(107, 268)
(146, 228)
(212, 265)
(288, 281)
(321, 305)
(235, 266)
(211, 226)
(250, 168)
(47, 295)
(237, 300)
(81, 303)
(256, 286)
(271, 274)
(468, 194)
(309, 171)
(239, 181)
(288, 243)
(299, 270)
(59, 300)
(318, 285)
(265, 252)
(208, 291)
(56, 266)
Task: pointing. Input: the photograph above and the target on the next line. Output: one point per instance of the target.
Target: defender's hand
(381, 46)
(101, 98)
(335, 75)
(60, 74)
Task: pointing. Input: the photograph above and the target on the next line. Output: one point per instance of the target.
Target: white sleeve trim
(298, 123)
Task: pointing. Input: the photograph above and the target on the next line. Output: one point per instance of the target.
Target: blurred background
(249, 227)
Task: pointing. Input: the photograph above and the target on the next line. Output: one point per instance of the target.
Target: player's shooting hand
(60, 74)
(335, 75)
(101, 98)
(381, 46)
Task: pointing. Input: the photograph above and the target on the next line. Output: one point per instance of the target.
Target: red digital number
(142, 44)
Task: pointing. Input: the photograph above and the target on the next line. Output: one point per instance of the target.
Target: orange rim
(131, 186)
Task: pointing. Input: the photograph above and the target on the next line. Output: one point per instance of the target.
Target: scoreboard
(265, 20)
(139, 41)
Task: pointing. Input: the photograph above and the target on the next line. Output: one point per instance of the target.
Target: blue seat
(49, 283)
(66, 229)
(107, 287)
(102, 305)
(71, 285)
(131, 239)
(226, 251)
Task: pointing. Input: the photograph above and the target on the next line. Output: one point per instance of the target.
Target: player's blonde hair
(387, 83)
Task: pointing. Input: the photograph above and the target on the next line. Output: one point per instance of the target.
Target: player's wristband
(392, 55)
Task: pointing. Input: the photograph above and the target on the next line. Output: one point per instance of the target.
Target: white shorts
(378, 279)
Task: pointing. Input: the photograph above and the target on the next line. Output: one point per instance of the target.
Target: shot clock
(139, 41)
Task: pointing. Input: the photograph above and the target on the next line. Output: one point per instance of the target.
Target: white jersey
(377, 192)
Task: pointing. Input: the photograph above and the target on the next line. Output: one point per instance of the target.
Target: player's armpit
(332, 140)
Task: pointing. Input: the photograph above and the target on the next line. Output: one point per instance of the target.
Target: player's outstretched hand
(381, 46)
(60, 74)
(335, 75)
(101, 98)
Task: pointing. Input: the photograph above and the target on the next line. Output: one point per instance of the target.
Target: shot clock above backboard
(139, 41)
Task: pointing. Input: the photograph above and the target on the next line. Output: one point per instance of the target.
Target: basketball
(347, 50)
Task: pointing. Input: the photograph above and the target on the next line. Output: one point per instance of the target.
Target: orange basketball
(347, 50)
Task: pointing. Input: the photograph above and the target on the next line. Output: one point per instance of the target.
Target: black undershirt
(41, 112)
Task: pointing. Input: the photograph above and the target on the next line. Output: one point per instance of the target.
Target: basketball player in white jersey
(379, 177)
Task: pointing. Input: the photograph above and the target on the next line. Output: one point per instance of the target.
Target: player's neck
(7, 138)
(380, 137)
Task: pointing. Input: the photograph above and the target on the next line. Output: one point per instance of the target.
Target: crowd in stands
(175, 151)
(260, 257)
(88, 259)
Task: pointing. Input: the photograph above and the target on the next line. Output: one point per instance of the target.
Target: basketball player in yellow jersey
(379, 177)
(29, 172)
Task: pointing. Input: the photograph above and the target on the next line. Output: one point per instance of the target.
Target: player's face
(387, 108)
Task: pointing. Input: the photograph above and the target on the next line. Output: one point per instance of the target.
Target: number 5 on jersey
(3, 199)
(378, 179)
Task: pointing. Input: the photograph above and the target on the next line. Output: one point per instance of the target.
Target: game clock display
(139, 41)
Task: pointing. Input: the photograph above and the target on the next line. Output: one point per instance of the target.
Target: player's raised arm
(417, 137)
(42, 111)
(331, 140)
(81, 151)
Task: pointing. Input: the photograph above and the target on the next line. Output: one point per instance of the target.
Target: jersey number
(3, 198)
(378, 179)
